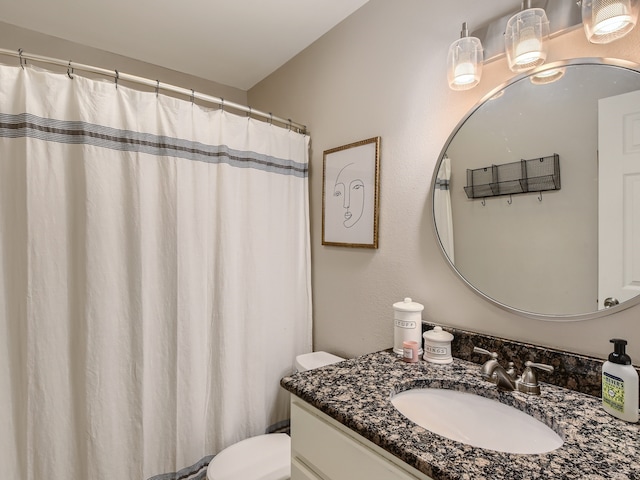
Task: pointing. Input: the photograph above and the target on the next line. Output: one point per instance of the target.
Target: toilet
(264, 457)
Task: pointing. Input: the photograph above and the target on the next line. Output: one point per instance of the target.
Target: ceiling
(232, 42)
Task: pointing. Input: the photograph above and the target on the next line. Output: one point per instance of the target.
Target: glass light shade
(607, 20)
(464, 63)
(525, 39)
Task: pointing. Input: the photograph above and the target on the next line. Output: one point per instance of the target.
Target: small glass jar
(410, 351)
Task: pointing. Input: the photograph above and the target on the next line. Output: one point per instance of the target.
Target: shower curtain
(154, 277)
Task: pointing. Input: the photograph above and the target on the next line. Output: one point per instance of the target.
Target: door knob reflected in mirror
(610, 302)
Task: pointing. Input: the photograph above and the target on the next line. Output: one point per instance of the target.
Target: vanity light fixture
(607, 20)
(525, 38)
(464, 61)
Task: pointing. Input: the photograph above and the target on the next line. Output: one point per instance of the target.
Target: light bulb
(529, 49)
(464, 73)
(606, 20)
(611, 18)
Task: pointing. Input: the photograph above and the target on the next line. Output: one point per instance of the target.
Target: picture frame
(351, 194)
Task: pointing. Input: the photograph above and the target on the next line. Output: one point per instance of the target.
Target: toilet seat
(264, 457)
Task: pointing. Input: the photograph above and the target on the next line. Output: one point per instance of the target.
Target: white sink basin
(475, 420)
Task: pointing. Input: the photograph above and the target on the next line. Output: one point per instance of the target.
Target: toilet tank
(309, 361)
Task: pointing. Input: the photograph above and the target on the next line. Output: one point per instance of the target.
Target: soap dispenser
(620, 384)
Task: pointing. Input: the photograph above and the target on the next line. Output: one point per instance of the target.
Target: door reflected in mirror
(559, 253)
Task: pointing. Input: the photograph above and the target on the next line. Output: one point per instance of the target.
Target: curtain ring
(70, 71)
(222, 104)
(249, 113)
(23, 62)
(193, 96)
(270, 118)
(289, 123)
(117, 78)
(157, 87)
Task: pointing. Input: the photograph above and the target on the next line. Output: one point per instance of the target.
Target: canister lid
(438, 335)
(408, 306)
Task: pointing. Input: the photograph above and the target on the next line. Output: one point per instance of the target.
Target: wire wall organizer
(535, 175)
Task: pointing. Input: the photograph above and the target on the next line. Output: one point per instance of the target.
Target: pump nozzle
(619, 355)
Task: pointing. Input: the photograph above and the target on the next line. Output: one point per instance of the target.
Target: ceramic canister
(407, 320)
(437, 346)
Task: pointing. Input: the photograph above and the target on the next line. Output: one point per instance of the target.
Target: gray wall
(382, 72)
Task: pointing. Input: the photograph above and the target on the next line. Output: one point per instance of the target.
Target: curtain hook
(270, 118)
(23, 62)
(289, 123)
(70, 70)
(157, 88)
(249, 113)
(222, 104)
(117, 78)
(193, 96)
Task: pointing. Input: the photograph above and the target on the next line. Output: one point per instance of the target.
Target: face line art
(356, 184)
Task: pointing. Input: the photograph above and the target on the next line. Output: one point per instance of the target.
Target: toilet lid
(309, 361)
(265, 457)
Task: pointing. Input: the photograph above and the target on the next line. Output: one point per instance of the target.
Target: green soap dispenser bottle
(620, 384)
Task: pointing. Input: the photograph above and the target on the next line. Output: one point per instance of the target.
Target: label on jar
(435, 350)
(405, 323)
(613, 391)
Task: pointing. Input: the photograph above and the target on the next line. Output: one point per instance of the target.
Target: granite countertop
(358, 392)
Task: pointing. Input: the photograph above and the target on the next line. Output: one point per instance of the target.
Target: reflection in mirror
(543, 253)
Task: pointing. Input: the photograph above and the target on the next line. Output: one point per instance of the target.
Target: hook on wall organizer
(510, 201)
(539, 196)
(484, 201)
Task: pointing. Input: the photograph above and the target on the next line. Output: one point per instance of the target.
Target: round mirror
(536, 196)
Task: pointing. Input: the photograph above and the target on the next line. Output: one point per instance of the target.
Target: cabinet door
(299, 471)
(331, 451)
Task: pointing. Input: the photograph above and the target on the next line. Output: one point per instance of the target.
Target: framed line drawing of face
(350, 194)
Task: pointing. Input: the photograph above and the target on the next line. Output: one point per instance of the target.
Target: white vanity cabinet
(324, 449)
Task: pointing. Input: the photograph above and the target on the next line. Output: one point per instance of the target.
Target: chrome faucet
(507, 379)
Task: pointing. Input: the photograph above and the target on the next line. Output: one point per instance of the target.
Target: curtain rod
(117, 76)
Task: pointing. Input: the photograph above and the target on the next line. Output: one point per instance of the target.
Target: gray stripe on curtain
(194, 472)
(28, 125)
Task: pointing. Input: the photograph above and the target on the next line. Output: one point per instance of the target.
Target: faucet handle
(539, 366)
(528, 383)
(493, 355)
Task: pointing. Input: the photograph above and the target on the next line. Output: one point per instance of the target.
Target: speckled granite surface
(575, 372)
(357, 393)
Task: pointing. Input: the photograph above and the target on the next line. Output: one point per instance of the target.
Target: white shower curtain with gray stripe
(154, 277)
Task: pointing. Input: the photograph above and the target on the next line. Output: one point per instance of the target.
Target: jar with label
(437, 346)
(407, 319)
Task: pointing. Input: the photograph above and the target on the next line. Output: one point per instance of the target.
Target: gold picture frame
(350, 194)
